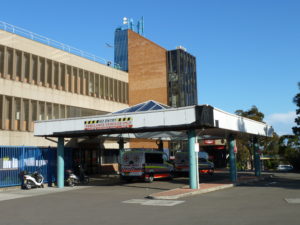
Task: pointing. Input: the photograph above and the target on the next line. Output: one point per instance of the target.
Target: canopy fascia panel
(202, 117)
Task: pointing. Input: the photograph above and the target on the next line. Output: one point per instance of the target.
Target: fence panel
(16, 159)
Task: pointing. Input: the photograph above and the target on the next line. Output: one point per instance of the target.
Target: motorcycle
(72, 179)
(84, 179)
(79, 177)
(34, 180)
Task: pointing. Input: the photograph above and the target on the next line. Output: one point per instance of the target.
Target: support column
(121, 143)
(60, 163)
(256, 157)
(232, 159)
(192, 159)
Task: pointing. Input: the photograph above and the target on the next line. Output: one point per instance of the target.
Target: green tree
(289, 150)
(270, 146)
(296, 100)
(252, 113)
(244, 144)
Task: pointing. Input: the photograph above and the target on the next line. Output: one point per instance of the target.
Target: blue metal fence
(15, 159)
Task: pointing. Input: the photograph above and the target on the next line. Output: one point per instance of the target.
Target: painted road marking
(151, 202)
(293, 200)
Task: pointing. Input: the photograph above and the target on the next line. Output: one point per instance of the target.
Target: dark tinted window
(154, 158)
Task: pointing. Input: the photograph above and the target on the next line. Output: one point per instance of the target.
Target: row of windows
(19, 114)
(182, 83)
(33, 69)
(121, 49)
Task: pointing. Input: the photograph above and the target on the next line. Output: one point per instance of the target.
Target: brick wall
(147, 70)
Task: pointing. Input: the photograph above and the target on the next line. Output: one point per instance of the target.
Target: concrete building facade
(40, 82)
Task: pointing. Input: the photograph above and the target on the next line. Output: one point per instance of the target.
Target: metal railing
(47, 41)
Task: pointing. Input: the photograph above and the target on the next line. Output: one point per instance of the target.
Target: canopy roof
(146, 120)
(145, 106)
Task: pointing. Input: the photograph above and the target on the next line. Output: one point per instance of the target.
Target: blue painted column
(60, 163)
(232, 159)
(192, 159)
(256, 157)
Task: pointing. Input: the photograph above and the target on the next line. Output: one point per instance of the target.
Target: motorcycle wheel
(27, 186)
(71, 183)
(86, 180)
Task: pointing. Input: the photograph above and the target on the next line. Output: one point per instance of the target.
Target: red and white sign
(209, 142)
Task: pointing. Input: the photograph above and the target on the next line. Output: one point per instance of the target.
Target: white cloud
(282, 122)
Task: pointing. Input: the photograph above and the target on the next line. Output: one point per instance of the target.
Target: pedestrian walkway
(19, 193)
(204, 188)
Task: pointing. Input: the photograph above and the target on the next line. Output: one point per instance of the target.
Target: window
(49, 114)
(49, 73)
(26, 125)
(34, 110)
(1, 60)
(62, 77)
(42, 71)
(18, 65)
(115, 89)
(119, 91)
(55, 111)
(10, 57)
(34, 69)
(34, 114)
(110, 88)
(55, 68)
(75, 80)
(106, 87)
(101, 86)
(86, 77)
(97, 88)
(110, 156)
(26, 67)
(91, 84)
(7, 112)
(62, 111)
(126, 92)
(1, 110)
(82, 82)
(153, 158)
(17, 116)
(41, 107)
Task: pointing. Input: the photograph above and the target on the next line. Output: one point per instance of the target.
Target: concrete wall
(17, 138)
(16, 85)
(34, 47)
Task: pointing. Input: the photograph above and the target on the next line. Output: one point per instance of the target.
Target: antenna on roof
(125, 20)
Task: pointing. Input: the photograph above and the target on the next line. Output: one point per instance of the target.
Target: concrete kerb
(190, 192)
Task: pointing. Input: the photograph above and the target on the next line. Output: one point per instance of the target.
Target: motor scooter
(83, 178)
(71, 178)
(34, 180)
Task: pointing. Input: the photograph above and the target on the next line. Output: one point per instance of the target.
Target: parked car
(285, 168)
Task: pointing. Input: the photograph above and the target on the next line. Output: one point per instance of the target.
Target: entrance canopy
(154, 120)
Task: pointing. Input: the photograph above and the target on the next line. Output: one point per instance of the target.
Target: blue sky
(248, 52)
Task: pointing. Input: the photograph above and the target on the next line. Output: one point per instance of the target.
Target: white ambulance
(146, 164)
(181, 163)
